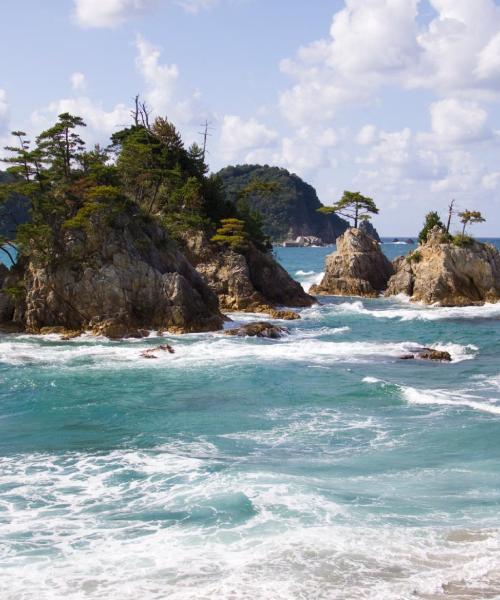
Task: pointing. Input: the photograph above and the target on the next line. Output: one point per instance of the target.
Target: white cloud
(112, 13)
(78, 82)
(99, 120)
(366, 135)
(456, 121)
(378, 43)
(108, 13)
(160, 78)
(491, 181)
(240, 136)
(4, 107)
(370, 41)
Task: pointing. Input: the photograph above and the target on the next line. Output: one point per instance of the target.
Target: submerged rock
(250, 281)
(447, 274)
(428, 354)
(115, 279)
(357, 268)
(259, 329)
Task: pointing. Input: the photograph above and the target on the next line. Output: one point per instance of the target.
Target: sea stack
(446, 273)
(357, 268)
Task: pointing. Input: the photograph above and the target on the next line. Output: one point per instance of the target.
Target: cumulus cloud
(456, 121)
(239, 136)
(99, 120)
(377, 43)
(160, 78)
(108, 13)
(112, 13)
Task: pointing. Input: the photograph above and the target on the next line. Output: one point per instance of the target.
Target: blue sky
(395, 98)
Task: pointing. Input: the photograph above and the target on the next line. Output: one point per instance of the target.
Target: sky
(397, 99)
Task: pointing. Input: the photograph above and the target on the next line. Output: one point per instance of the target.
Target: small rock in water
(428, 354)
(431, 354)
(150, 352)
(259, 329)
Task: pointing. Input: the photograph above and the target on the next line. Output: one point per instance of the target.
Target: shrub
(414, 257)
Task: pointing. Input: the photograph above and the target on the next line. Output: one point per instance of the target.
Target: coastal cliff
(357, 268)
(442, 272)
(114, 280)
(250, 280)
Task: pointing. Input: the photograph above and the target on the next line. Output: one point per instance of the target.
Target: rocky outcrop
(259, 329)
(115, 280)
(440, 272)
(248, 281)
(357, 268)
(428, 354)
(369, 229)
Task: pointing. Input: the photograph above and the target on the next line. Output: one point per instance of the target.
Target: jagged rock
(115, 279)
(369, 229)
(150, 352)
(428, 354)
(259, 329)
(450, 275)
(357, 268)
(251, 281)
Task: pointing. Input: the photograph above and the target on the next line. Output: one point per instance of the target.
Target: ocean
(318, 466)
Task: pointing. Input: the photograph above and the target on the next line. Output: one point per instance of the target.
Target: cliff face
(114, 280)
(252, 281)
(441, 272)
(357, 268)
(290, 210)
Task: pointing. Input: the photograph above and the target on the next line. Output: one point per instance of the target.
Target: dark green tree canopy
(431, 220)
(353, 206)
(146, 170)
(470, 216)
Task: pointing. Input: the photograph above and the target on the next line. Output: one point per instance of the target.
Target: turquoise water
(317, 466)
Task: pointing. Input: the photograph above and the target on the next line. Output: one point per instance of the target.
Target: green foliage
(470, 216)
(414, 257)
(232, 233)
(462, 241)
(284, 202)
(17, 292)
(35, 239)
(146, 170)
(431, 220)
(354, 206)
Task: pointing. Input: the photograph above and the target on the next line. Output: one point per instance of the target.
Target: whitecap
(450, 398)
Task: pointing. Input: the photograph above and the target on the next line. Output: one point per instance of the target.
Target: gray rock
(357, 268)
(249, 281)
(117, 279)
(259, 329)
